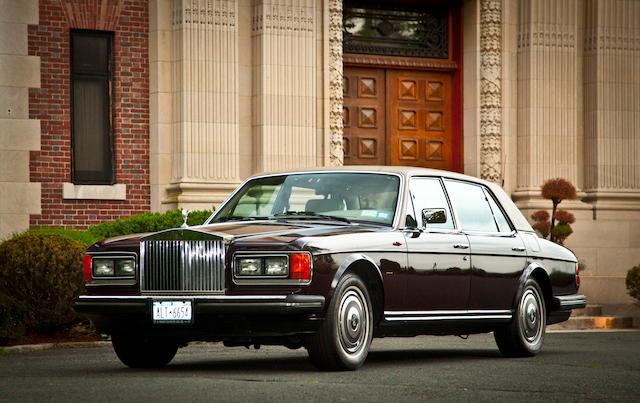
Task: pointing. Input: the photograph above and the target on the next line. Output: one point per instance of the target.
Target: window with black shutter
(92, 112)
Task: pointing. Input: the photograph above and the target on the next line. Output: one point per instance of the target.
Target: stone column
(204, 65)
(549, 95)
(18, 134)
(612, 104)
(285, 84)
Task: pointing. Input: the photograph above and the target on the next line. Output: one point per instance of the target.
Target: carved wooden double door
(397, 117)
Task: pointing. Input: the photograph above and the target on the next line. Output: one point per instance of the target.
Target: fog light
(249, 267)
(125, 267)
(102, 267)
(276, 266)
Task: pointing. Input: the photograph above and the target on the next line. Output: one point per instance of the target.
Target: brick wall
(51, 104)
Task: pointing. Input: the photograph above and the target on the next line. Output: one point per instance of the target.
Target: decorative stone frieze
(336, 151)
(491, 90)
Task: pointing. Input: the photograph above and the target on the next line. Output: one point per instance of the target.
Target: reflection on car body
(327, 259)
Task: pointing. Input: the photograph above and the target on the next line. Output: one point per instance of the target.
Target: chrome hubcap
(531, 316)
(352, 320)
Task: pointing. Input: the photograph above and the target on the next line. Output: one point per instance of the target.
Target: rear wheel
(524, 335)
(138, 352)
(342, 341)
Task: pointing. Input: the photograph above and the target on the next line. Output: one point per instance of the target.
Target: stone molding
(336, 102)
(491, 90)
(94, 192)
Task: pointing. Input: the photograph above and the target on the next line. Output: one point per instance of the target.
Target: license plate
(172, 311)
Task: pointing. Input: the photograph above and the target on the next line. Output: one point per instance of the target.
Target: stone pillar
(204, 81)
(285, 84)
(549, 95)
(18, 134)
(612, 104)
(160, 102)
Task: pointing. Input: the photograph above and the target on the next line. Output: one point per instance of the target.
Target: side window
(471, 206)
(427, 193)
(503, 223)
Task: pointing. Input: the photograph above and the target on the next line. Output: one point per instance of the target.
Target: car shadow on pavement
(261, 363)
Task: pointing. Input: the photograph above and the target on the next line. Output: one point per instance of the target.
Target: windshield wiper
(241, 218)
(311, 215)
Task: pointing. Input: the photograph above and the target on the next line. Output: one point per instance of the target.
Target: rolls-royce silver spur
(327, 259)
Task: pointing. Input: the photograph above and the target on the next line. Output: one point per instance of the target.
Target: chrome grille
(190, 266)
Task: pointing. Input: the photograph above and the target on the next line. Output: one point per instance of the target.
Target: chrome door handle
(518, 249)
(460, 246)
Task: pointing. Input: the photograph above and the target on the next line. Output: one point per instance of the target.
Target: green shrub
(633, 283)
(44, 273)
(81, 236)
(147, 222)
(12, 314)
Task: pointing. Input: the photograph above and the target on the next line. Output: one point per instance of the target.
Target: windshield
(347, 197)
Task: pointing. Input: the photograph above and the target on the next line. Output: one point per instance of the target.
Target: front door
(398, 117)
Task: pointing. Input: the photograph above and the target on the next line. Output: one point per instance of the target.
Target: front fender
(350, 260)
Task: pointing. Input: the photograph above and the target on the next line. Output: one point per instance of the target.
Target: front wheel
(342, 341)
(138, 352)
(524, 335)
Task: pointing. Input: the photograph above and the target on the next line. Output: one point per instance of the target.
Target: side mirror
(434, 216)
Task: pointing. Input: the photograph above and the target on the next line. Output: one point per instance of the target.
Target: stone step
(594, 322)
(590, 310)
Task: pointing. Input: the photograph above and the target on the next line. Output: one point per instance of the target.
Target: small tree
(556, 190)
(633, 283)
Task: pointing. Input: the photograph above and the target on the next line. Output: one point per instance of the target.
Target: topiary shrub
(12, 314)
(43, 272)
(633, 283)
(559, 228)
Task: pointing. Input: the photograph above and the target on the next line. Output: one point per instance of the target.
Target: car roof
(519, 221)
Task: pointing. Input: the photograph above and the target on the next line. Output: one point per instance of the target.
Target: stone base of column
(613, 199)
(198, 195)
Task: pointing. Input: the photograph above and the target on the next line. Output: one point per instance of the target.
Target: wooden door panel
(419, 118)
(364, 116)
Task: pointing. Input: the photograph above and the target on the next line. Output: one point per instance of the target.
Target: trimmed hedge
(147, 222)
(42, 272)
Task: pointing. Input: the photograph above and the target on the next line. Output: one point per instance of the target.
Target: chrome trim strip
(448, 313)
(459, 317)
(178, 296)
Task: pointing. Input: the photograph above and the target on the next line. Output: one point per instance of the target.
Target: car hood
(250, 231)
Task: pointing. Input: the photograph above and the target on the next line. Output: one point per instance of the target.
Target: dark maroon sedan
(326, 260)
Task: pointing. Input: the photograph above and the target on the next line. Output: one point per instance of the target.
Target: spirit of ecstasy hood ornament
(185, 216)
